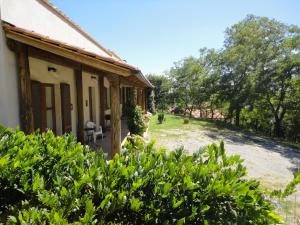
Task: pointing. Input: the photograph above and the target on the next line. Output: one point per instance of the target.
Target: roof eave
(71, 52)
(143, 79)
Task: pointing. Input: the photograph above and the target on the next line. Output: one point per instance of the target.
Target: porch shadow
(105, 143)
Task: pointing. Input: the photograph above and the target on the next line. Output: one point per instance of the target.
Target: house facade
(55, 76)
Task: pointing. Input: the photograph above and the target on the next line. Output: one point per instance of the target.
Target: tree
(238, 62)
(260, 60)
(186, 76)
(161, 89)
(292, 119)
(253, 80)
(210, 82)
(150, 100)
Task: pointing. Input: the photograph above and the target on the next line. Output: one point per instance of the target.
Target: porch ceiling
(132, 81)
(135, 81)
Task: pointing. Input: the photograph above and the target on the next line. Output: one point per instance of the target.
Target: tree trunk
(191, 111)
(237, 117)
(278, 115)
(221, 115)
(229, 116)
(278, 131)
(256, 125)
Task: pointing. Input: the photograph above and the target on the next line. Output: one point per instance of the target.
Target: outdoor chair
(94, 132)
(107, 120)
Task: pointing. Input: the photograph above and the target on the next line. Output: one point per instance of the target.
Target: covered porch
(105, 143)
(63, 87)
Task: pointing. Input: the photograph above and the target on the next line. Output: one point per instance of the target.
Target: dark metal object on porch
(89, 135)
(107, 118)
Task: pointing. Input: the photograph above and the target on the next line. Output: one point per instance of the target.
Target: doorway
(92, 104)
(66, 108)
(43, 106)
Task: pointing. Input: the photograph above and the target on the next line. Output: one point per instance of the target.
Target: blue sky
(153, 34)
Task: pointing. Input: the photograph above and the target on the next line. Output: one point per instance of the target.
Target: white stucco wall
(90, 80)
(9, 95)
(39, 72)
(35, 16)
(107, 85)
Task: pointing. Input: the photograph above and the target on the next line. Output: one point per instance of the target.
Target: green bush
(186, 120)
(55, 180)
(161, 118)
(126, 109)
(150, 101)
(135, 122)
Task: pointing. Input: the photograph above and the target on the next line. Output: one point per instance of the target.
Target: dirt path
(267, 161)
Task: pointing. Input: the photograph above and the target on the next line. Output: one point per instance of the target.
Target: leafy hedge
(55, 180)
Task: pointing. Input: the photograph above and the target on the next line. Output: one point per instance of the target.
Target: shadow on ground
(240, 138)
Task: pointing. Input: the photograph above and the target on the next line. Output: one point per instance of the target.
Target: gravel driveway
(271, 163)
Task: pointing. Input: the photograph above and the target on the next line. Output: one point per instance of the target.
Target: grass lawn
(175, 122)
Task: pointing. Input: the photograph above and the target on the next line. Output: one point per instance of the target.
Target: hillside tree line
(252, 82)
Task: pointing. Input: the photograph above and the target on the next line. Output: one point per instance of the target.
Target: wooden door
(36, 95)
(43, 106)
(105, 99)
(66, 108)
(91, 104)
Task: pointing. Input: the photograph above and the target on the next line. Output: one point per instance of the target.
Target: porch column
(115, 115)
(102, 101)
(130, 95)
(26, 114)
(79, 92)
(138, 97)
(143, 100)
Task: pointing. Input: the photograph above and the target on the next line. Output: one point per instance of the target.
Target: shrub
(186, 120)
(54, 180)
(161, 117)
(150, 101)
(135, 122)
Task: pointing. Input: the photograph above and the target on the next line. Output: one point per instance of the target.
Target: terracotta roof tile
(33, 34)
